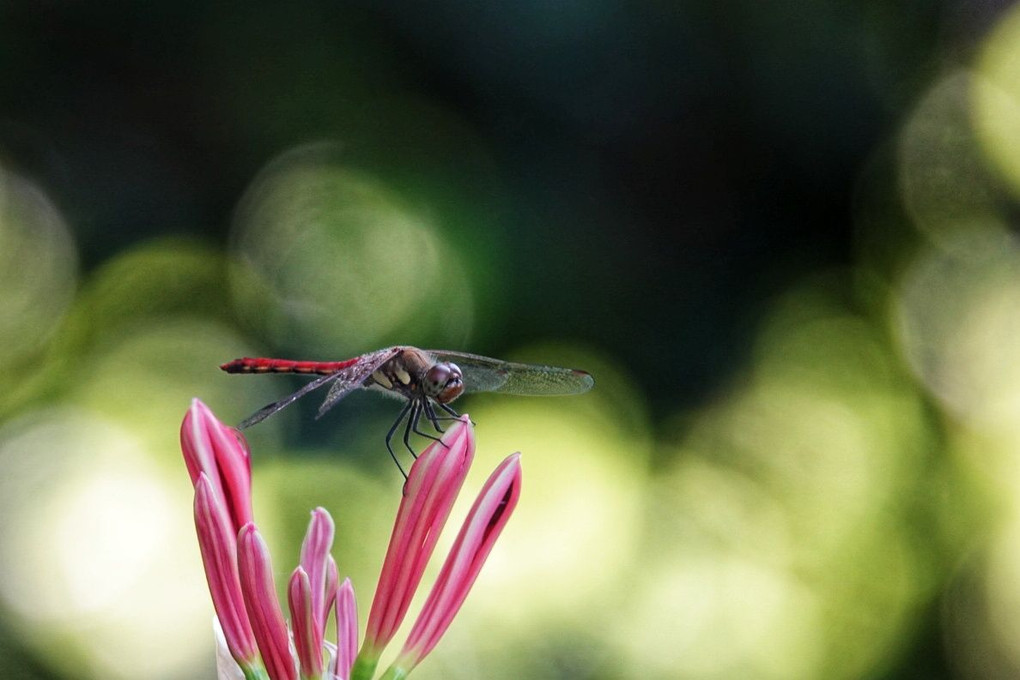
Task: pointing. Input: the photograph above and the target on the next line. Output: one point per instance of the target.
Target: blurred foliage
(782, 237)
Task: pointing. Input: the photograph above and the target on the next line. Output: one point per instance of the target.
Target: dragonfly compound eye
(443, 382)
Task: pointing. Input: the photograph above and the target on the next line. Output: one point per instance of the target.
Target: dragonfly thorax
(414, 374)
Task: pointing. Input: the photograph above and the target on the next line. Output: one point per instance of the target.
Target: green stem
(395, 673)
(363, 668)
(255, 673)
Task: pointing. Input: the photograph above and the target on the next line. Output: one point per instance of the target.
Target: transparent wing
(343, 381)
(355, 375)
(270, 409)
(482, 374)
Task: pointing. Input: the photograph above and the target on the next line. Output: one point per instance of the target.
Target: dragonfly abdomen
(262, 365)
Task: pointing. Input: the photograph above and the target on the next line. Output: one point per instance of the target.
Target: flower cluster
(254, 639)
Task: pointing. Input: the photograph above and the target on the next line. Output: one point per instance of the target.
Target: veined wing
(483, 374)
(270, 409)
(343, 382)
(353, 376)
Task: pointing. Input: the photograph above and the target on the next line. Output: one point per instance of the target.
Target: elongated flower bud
(222, 454)
(478, 534)
(259, 590)
(346, 630)
(315, 561)
(218, 546)
(431, 489)
(302, 622)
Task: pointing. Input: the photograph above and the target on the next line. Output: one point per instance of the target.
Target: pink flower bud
(315, 561)
(222, 454)
(481, 528)
(302, 623)
(218, 547)
(259, 590)
(346, 630)
(431, 489)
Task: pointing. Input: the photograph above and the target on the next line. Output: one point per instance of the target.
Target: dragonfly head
(443, 382)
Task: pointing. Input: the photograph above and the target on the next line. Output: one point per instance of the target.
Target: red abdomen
(260, 365)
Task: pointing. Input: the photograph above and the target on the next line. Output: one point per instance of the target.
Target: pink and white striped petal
(346, 630)
(332, 584)
(315, 562)
(478, 534)
(218, 546)
(222, 454)
(259, 590)
(307, 641)
(431, 489)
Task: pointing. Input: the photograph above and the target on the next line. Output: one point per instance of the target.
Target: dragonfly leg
(425, 408)
(430, 413)
(389, 436)
(449, 409)
(412, 422)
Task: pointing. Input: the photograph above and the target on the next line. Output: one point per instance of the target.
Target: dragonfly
(426, 380)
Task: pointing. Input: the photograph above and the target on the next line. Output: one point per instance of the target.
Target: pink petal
(302, 622)
(481, 528)
(256, 572)
(431, 489)
(346, 630)
(222, 454)
(314, 559)
(332, 583)
(218, 546)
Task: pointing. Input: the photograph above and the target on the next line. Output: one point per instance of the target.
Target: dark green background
(648, 178)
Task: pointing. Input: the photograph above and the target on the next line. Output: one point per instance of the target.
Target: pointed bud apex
(314, 560)
(221, 453)
(302, 623)
(346, 630)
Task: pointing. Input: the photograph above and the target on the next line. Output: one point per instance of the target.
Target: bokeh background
(781, 235)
